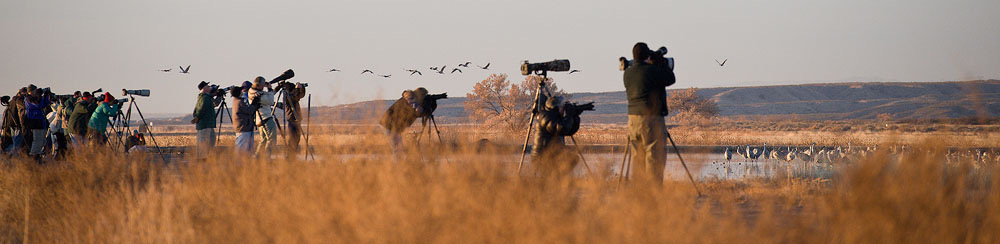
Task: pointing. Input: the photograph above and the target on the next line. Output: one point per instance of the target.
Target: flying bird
(574, 71)
(485, 67)
(185, 70)
(385, 76)
(166, 70)
(434, 68)
(441, 70)
(367, 71)
(333, 70)
(456, 69)
(723, 62)
(466, 64)
(413, 71)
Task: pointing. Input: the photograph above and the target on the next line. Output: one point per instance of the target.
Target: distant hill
(833, 101)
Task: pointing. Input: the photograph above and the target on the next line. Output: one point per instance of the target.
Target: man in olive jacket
(399, 116)
(204, 120)
(645, 86)
(78, 120)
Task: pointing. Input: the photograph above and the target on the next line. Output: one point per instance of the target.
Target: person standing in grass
(204, 120)
(243, 121)
(646, 84)
(264, 116)
(99, 120)
(35, 106)
(80, 117)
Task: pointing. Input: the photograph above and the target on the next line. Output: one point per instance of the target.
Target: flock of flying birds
(439, 70)
(435, 69)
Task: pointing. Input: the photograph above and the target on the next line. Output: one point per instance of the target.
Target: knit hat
(202, 85)
(108, 97)
(246, 85)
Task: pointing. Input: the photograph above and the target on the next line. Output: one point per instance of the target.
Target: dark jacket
(399, 116)
(35, 112)
(68, 107)
(646, 88)
(244, 115)
(292, 108)
(81, 116)
(204, 111)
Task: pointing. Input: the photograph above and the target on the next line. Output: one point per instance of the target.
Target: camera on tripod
(658, 56)
(558, 65)
(288, 74)
(141, 93)
(430, 103)
(574, 109)
(220, 92)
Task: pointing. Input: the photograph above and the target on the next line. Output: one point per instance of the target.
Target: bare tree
(495, 102)
(687, 107)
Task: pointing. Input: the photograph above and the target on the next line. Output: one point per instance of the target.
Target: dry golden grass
(411, 197)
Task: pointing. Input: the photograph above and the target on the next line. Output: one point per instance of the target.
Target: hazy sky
(83, 45)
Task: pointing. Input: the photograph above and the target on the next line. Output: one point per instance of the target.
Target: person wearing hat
(293, 114)
(399, 116)
(550, 149)
(204, 120)
(264, 118)
(35, 106)
(11, 134)
(646, 82)
(99, 119)
(79, 118)
(243, 121)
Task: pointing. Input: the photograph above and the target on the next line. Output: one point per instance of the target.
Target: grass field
(415, 197)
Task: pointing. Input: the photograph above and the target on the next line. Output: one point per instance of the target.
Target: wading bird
(728, 154)
(367, 71)
(413, 71)
(485, 67)
(723, 62)
(185, 70)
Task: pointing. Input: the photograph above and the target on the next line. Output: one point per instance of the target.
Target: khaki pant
(647, 138)
(205, 142)
(268, 137)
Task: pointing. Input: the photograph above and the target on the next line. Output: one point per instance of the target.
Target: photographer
(56, 131)
(400, 115)
(35, 106)
(264, 118)
(243, 121)
(645, 86)
(80, 117)
(11, 133)
(556, 120)
(204, 119)
(293, 94)
(98, 123)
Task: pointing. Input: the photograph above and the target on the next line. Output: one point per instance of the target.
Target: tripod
(424, 121)
(127, 119)
(627, 157)
(220, 115)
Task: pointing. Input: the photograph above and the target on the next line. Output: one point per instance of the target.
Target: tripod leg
(621, 169)
(531, 123)
(158, 150)
(682, 162)
(580, 152)
(434, 122)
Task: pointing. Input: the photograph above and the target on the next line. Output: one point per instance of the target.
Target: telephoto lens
(142, 92)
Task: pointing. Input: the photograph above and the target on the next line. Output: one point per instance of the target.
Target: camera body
(658, 56)
(220, 92)
(5, 100)
(430, 103)
(141, 92)
(574, 109)
(558, 65)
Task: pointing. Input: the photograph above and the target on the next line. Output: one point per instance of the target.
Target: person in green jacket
(646, 82)
(204, 120)
(80, 117)
(99, 120)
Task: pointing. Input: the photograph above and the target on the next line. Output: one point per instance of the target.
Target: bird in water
(728, 154)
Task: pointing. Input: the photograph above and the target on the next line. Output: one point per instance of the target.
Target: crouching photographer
(557, 120)
(412, 105)
(294, 92)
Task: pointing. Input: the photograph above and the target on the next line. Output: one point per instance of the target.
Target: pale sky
(83, 45)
